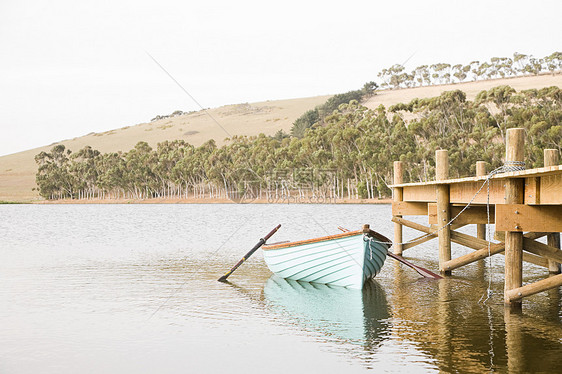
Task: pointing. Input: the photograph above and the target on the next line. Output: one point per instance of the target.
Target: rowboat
(347, 259)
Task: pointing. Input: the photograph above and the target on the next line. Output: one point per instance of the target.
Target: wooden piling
(480, 172)
(397, 197)
(514, 194)
(551, 159)
(443, 208)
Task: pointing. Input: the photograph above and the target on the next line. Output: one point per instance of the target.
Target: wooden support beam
(403, 208)
(521, 217)
(413, 225)
(443, 208)
(553, 240)
(424, 238)
(482, 252)
(474, 214)
(470, 241)
(398, 196)
(428, 230)
(479, 254)
(514, 194)
(528, 257)
(454, 226)
(544, 250)
(518, 293)
(418, 241)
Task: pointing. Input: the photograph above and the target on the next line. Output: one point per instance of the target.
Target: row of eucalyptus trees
(520, 64)
(349, 156)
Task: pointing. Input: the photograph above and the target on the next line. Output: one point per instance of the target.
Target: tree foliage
(348, 155)
(317, 115)
(442, 73)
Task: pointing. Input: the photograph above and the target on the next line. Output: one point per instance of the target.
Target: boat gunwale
(314, 240)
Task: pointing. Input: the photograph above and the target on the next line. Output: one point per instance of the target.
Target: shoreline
(202, 201)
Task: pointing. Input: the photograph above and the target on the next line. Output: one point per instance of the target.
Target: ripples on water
(113, 288)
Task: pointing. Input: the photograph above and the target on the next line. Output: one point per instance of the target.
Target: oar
(424, 272)
(251, 252)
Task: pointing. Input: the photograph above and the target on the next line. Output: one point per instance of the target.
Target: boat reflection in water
(340, 314)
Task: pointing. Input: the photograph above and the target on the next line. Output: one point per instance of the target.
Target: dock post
(480, 172)
(397, 196)
(443, 208)
(514, 194)
(553, 239)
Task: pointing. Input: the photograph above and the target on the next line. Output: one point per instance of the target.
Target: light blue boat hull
(346, 260)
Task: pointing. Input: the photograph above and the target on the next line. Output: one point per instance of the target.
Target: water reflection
(81, 287)
(359, 317)
(449, 323)
(525, 335)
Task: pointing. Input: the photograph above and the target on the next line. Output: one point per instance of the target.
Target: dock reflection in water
(343, 315)
(448, 321)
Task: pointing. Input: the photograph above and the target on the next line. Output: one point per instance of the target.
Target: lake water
(132, 288)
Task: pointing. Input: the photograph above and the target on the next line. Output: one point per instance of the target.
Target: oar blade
(427, 273)
(423, 272)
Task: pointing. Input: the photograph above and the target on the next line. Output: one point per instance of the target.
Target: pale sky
(68, 68)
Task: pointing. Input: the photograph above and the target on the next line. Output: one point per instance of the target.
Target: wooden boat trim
(315, 240)
(380, 237)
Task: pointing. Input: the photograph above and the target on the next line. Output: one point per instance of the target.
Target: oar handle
(251, 252)
(265, 238)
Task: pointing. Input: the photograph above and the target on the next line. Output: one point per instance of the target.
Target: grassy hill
(17, 171)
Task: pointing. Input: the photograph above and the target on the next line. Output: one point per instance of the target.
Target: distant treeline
(428, 75)
(396, 76)
(349, 156)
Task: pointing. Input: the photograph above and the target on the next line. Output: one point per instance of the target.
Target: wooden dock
(523, 204)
